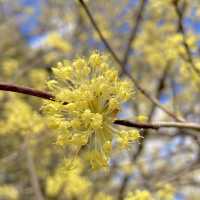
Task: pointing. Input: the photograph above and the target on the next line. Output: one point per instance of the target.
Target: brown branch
(26, 90)
(134, 31)
(158, 125)
(107, 45)
(160, 87)
(137, 85)
(154, 100)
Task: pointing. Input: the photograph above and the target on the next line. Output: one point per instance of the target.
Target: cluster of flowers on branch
(88, 96)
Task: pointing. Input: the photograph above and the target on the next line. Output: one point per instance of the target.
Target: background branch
(180, 14)
(134, 31)
(32, 172)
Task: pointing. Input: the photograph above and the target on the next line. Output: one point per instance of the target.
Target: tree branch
(158, 125)
(93, 22)
(26, 90)
(134, 31)
(46, 95)
(32, 172)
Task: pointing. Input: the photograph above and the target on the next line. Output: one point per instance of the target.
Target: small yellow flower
(142, 118)
(139, 195)
(102, 196)
(126, 137)
(71, 183)
(166, 192)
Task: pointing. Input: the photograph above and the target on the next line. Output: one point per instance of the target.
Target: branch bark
(26, 90)
(158, 125)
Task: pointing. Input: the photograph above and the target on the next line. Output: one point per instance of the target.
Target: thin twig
(26, 90)
(158, 125)
(32, 171)
(99, 32)
(134, 31)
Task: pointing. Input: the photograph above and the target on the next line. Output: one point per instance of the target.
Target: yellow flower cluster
(37, 78)
(88, 97)
(9, 67)
(159, 51)
(139, 195)
(165, 192)
(102, 196)
(55, 40)
(19, 117)
(72, 184)
(8, 192)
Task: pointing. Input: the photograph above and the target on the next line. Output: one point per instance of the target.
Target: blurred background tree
(156, 42)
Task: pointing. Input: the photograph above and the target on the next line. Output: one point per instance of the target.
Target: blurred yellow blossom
(8, 192)
(139, 195)
(55, 40)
